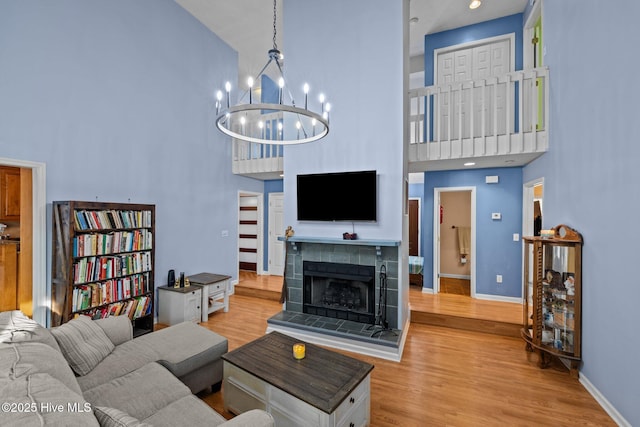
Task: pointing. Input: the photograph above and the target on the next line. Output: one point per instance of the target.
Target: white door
(276, 230)
(478, 62)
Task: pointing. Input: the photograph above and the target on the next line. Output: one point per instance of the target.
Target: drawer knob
(351, 400)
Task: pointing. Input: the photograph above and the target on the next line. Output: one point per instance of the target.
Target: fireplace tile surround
(370, 253)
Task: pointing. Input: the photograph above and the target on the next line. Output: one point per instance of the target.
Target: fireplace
(341, 291)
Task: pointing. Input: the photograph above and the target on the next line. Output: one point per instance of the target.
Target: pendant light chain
(275, 45)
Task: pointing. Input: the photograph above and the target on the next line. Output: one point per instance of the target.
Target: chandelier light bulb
(219, 101)
(305, 88)
(327, 107)
(227, 87)
(250, 83)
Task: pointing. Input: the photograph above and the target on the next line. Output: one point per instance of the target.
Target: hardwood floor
(449, 285)
(446, 377)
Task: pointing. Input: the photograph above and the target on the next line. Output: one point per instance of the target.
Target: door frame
(436, 236)
(527, 205)
(259, 229)
(41, 290)
(269, 225)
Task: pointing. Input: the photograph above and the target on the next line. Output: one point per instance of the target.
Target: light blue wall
(590, 174)
(353, 52)
(116, 97)
(496, 252)
(483, 30)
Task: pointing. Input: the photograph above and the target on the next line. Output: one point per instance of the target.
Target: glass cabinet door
(558, 297)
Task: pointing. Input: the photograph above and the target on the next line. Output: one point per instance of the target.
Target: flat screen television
(343, 196)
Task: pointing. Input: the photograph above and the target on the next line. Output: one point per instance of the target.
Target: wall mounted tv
(344, 196)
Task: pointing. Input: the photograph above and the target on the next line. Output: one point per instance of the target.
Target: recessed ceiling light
(475, 4)
(470, 164)
(414, 20)
(509, 161)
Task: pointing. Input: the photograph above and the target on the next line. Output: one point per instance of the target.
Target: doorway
(33, 294)
(250, 232)
(276, 234)
(414, 227)
(454, 240)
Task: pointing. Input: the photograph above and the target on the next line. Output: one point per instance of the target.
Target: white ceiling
(247, 25)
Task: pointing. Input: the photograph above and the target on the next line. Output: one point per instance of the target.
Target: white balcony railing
(501, 115)
(262, 161)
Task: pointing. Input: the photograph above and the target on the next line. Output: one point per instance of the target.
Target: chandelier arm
(293, 101)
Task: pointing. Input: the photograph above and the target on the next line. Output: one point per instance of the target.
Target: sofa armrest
(118, 328)
(252, 418)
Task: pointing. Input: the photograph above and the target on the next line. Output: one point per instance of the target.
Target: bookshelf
(103, 262)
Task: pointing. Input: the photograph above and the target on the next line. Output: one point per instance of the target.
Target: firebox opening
(342, 291)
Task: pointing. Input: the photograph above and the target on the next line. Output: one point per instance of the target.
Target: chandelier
(283, 122)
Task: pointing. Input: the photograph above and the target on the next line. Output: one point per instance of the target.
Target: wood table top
(322, 379)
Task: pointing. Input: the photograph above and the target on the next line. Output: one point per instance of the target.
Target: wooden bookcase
(552, 312)
(103, 262)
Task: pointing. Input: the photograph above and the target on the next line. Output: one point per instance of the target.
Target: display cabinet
(552, 296)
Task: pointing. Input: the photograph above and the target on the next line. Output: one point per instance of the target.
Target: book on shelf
(111, 219)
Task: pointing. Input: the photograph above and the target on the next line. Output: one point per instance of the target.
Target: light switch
(499, 278)
(516, 237)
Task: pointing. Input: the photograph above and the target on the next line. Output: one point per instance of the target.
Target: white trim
(606, 405)
(527, 33)
(456, 276)
(41, 292)
(342, 343)
(490, 40)
(427, 291)
(436, 235)
(499, 298)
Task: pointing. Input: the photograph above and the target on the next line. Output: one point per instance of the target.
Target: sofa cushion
(39, 399)
(83, 343)
(140, 393)
(20, 360)
(118, 328)
(111, 417)
(16, 327)
(125, 358)
(185, 347)
(187, 411)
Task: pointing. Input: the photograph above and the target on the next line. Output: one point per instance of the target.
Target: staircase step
(467, 323)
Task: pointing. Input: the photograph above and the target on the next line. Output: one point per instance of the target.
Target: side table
(215, 292)
(177, 305)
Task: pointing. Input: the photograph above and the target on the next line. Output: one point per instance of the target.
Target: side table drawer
(356, 403)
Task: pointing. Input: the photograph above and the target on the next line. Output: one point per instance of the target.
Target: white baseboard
(427, 290)
(233, 287)
(499, 298)
(606, 405)
(456, 276)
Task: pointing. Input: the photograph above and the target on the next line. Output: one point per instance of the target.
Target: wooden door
(414, 217)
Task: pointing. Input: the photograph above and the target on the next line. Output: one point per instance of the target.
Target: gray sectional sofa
(90, 373)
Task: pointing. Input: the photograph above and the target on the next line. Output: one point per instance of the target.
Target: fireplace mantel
(336, 241)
